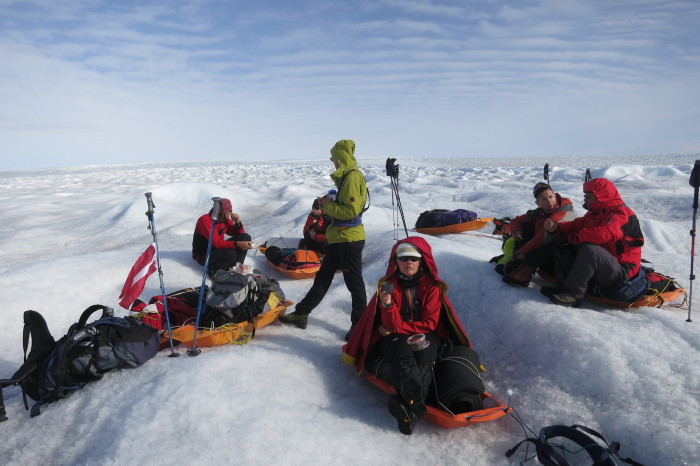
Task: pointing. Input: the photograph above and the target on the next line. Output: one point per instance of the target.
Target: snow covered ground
(70, 236)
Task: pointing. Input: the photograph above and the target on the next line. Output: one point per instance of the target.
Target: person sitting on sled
(315, 230)
(604, 247)
(410, 300)
(225, 252)
(528, 233)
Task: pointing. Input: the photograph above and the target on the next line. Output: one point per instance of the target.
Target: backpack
(55, 369)
(236, 297)
(441, 217)
(291, 258)
(646, 283)
(554, 453)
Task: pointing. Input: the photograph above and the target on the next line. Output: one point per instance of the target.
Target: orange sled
(448, 420)
(226, 334)
(648, 300)
(296, 274)
(456, 228)
(657, 300)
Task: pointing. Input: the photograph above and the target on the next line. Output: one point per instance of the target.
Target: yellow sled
(239, 333)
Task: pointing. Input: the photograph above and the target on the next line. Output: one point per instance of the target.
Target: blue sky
(95, 82)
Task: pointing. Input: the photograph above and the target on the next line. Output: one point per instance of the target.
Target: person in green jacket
(345, 236)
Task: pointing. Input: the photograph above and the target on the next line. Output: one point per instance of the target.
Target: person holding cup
(415, 319)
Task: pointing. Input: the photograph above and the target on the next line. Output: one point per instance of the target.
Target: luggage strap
(548, 456)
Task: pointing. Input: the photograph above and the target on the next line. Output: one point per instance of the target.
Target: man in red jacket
(225, 252)
(604, 246)
(528, 233)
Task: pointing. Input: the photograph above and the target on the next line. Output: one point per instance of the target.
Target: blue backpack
(441, 217)
(55, 369)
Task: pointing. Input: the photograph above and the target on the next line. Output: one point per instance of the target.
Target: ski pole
(392, 170)
(695, 183)
(214, 215)
(152, 227)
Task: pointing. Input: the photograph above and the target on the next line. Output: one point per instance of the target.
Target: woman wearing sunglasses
(410, 300)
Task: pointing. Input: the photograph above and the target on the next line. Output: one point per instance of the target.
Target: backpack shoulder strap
(106, 312)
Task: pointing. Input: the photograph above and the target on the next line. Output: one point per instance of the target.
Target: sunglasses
(408, 258)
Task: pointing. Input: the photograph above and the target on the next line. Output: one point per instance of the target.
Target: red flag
(135, 282)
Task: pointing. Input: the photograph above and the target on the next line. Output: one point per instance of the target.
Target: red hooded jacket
(609, 223)
(438, 315)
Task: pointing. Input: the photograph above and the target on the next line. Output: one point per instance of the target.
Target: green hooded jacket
(352, 194)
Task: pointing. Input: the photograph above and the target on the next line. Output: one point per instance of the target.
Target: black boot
(403, 414)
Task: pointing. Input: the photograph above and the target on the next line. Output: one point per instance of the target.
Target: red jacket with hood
(609, 223)
(438, 315)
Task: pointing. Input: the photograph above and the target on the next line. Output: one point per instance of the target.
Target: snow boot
(296, 319)
(521, 276)
(564, 298)
(403, 414)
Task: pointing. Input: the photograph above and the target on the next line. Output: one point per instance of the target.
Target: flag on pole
(145, 265)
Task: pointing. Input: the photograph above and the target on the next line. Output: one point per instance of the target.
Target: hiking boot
(521, 276)
(403, 414)
(563, 298)
(550, 290)
(296, 319)
(500, 269)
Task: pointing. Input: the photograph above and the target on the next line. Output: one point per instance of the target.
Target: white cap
(407, 249)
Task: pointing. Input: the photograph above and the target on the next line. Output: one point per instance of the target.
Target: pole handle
(216, 209)
(546, 173)
(588, 175)
(151, 205)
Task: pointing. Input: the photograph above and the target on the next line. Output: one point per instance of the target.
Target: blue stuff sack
(441, 217)
(632, 288)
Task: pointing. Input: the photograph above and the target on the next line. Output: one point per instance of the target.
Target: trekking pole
(546, 173)
(214, 215)
(152, 227)
(695, 183)
(392, 171)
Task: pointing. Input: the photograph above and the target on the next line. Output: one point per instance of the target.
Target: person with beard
(528, 235)
(604, 247)
(410, 300)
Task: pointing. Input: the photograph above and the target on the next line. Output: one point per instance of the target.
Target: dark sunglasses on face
(408, 258)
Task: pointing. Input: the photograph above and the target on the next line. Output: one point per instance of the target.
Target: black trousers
(407, 368)
(224, 259)
(348, 258)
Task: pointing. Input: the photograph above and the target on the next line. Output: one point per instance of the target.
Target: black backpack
(55, 369)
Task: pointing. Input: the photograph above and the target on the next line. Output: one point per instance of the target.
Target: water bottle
(333, 195)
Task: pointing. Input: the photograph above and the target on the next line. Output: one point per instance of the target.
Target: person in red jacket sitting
(528, 233)
(410, 300)
(315, 230)
(225, 252)
(604, 246)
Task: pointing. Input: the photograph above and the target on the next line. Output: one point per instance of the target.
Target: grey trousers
(576, 268)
